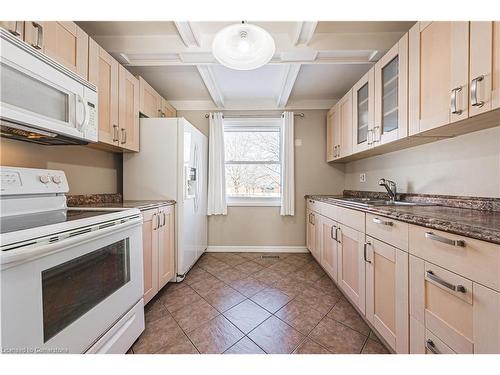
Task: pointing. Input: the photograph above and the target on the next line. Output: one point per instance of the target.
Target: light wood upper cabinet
(351, 267)
(391, 94)
(438, 74)
(16, 28)
(333, 132)
(65, 42)
(484, 67)
(166, 109)
(328, 244)
(103, 72)
(346, 126)
(166, 245)
(363, 104)
(150, 101)
(387, 292)
(128, 110)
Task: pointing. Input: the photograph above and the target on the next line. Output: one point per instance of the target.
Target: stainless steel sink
(368, 202)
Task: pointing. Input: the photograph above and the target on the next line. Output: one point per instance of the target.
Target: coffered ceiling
(315, 63)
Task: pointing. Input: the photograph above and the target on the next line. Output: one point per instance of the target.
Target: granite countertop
(475, 223)
(114, 201)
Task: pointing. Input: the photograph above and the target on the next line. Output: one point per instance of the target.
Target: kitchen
(250, 187)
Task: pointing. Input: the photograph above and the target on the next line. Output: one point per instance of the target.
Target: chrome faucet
(390, 186)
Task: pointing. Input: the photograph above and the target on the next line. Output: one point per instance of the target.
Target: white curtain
(216, 168)
(287, 165)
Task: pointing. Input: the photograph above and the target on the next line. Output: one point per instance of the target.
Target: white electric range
(71, 279)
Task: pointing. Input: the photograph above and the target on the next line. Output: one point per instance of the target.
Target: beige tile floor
(237, 303)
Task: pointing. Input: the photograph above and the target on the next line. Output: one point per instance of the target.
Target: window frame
(249, 124)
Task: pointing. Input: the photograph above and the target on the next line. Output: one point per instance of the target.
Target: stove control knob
(45, 179)
(57, 179)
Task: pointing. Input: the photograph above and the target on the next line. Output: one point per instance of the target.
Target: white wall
(465, 165)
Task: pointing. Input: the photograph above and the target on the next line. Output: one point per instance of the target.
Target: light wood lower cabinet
(387, 292)
(329, 247)
(313, 234)
(158, 249)
(351, 267)
(64, 41)
(462, 314)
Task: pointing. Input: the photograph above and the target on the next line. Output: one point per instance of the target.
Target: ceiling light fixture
(243, 46)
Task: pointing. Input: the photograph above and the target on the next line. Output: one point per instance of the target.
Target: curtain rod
(300, 114)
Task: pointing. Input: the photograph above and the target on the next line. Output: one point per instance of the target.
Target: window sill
(253, 202)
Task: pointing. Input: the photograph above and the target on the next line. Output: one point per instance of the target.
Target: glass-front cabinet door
(363, 112)
(391, 97)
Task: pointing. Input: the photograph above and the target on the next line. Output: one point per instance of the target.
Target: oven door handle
(10, 258)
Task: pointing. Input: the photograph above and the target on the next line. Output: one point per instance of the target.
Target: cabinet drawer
(328, 210)
(473, 259)
(351, 218)
(434, 345)
(387, 230)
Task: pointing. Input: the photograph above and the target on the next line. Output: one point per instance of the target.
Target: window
(253, 162)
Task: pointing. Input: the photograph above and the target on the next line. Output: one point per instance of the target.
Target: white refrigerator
(173, 164)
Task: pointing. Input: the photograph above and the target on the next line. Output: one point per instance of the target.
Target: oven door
(66, 296)
(38, 93)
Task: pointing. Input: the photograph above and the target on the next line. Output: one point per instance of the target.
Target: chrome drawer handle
(435, 237)
(473, 92)
(429, 344)
(364, 251)
(446, 284)
(454, 109)
(376, 220)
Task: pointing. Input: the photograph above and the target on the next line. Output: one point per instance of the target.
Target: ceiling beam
(208, 78)
(188, 35)
(289, 79)
(305, 32)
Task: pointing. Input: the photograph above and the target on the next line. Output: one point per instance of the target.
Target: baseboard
(257, 249)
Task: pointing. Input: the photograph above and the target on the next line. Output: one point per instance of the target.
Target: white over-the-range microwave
(42, 101)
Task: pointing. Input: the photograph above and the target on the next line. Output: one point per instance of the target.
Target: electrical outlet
(362, 177)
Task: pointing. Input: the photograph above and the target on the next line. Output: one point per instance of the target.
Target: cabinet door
(387, 292)
(330, 145)
(103, 72)
(328, 244)
(363, 112)
(149, 100)
(166, 245)
(65, 42)
(150, 253)
(16, 28)
(484, 67)
(391, 94)
(128, 110)
(438, 74)
(310, 232)
(345, 109)
(351, 269)
(167, 110)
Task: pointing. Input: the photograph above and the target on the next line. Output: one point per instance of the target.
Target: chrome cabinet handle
(115, 133)
(375, 133)
(369, 138)
(435, 237)
(331, 233)
(429, 344)
(154, 221)
(39, 35)
(158, 221)
(376, 220)
(454, 109)
(364, 251)
(17, 28)
(337, 234)
(473, 92)
(456, 288)
(124, 136)
(313, 217)
(164, 219)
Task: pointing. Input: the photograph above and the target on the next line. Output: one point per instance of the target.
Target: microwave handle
(84, 122)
